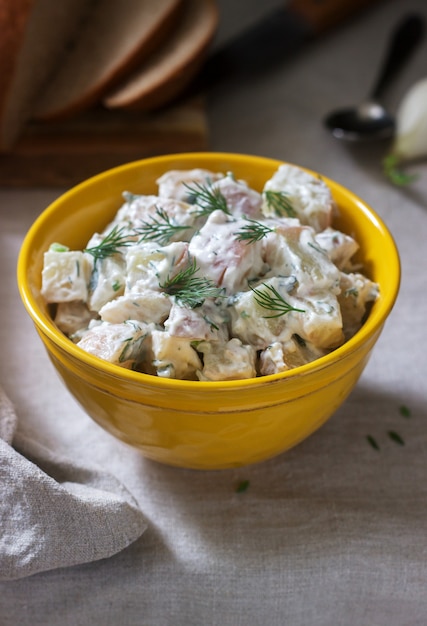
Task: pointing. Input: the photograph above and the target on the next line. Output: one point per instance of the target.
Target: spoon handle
(405, 38)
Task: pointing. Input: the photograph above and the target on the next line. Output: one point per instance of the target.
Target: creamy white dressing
(212, 280)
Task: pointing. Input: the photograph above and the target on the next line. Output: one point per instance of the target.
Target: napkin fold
(55, 512)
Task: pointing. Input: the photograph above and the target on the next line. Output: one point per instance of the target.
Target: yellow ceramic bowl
(203, 425)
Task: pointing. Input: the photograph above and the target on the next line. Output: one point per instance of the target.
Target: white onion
(411, 124)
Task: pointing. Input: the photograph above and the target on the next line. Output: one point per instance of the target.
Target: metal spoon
(370, 120)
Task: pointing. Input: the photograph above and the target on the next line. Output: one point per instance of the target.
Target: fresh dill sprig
(111, 244)
(208, 199)
(279, 202)
(253, 231)
(190, 290)
(160, 228)
(273, 301)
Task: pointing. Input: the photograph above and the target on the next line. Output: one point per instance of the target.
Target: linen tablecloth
(53, 511)
(334, 531)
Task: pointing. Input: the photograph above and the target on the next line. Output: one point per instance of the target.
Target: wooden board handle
(324, 14)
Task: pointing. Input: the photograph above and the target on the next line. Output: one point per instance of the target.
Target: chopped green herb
(210, 323)
(131, 346)
(128, 196)
(94, 278)
(279, 203)
(351, 292)
(373, 442)
(111, 244)
(273, 301)
(317, 248)
(124, 352)
(207, 199)
(116, 285)
(394, 436)
(242, 486)
(394, 173)
(300, 341)
(132, 323)
(160, 229)
(189, 289)
(405, 411)
(164, 369)
(58, 247)
(253, 231)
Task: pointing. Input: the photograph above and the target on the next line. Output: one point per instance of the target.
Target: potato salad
(212, 280)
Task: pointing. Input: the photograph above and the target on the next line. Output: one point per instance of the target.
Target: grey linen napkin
(54, 512)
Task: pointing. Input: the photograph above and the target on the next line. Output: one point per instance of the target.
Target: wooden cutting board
(61, 154)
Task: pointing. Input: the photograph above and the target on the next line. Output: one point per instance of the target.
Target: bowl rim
(45, 325)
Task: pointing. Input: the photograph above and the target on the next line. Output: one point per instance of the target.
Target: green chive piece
(394, 173)
(253, 231)
(373, 442)
(242, 486)
(58, 247)
(394, 436)
(405, 411)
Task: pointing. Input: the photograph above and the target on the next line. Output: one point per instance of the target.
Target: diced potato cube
(147, 306)
(174, 357)
(107, 281)
(124, 344)
(339, 247)
(227, 361)
(293, 251)
(317, 320)
(309, 197)
(280, 357)
(65, 276)
(240, 198)
(357, 292)
(206, 322)
(150, 265)
(71, 317)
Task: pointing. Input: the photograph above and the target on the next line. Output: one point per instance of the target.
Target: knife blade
(271, 40)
